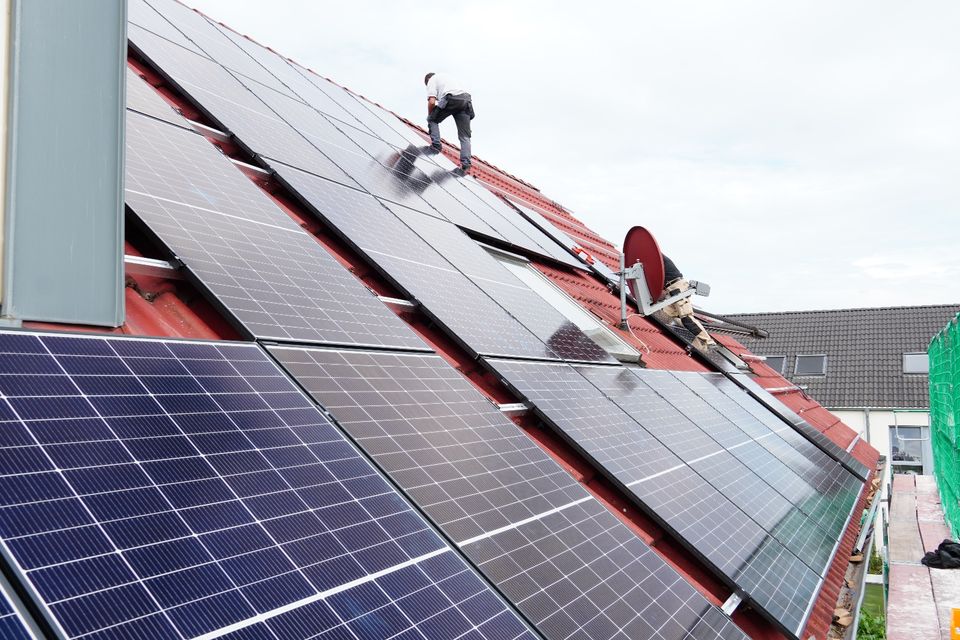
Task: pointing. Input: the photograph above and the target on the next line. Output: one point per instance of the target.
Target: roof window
(811, 365)
(776, 363)
(916, 363)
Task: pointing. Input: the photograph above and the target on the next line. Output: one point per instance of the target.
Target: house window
(916, 363)
(811, 365)
(776, 362)
(559, 300)
(910, 450)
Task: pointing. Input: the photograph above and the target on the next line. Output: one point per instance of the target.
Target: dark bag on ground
(947, 556)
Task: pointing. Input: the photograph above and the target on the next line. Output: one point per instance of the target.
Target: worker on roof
(446, 97)
(675, 283)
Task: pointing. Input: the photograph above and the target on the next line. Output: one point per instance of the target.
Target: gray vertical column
(63, 208)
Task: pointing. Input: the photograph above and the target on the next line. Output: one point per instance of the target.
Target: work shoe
(432, 150)
(462, 170)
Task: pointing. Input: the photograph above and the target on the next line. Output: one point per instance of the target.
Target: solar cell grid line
(472, 318)
(268, 273)
(178, 489)
(677, 496)
(568, 563)
(563, 337)
(808, 431)
(228, 102)
(820, 489)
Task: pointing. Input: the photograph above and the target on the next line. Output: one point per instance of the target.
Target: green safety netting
(944, 355)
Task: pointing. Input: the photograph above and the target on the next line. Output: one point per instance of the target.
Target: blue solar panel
(170, 489)
(12, 624)
(555, 551)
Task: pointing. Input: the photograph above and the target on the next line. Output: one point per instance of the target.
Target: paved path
(920, 600)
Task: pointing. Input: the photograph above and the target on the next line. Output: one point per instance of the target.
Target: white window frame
(796, 364)
(903, 362)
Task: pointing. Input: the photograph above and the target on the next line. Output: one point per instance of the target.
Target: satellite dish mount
(641, 267)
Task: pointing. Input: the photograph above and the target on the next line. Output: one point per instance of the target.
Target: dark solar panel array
(453, 299)
(670, 465)
(332, 124)
(271, 275)
(12, 624)
(569, 564)
(170, 489)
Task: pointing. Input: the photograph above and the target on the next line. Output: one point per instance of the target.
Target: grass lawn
(873, 599)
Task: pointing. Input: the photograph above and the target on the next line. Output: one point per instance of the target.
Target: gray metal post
(63, 228)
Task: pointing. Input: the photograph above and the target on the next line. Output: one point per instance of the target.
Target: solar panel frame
(458, 457)
(676, 496)
(14, 624)
(315, 539)
(271, 276)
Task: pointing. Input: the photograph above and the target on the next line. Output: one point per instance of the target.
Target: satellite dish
(640, 246)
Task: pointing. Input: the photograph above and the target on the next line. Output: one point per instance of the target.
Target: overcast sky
(797, 155)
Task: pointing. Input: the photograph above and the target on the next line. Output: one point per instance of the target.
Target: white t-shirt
(441, 84)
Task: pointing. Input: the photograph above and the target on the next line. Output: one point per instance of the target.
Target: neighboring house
(867, 366)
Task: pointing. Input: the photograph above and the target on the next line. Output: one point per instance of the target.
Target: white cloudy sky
(795, 155)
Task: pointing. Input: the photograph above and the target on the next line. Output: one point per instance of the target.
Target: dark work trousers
(461, 108)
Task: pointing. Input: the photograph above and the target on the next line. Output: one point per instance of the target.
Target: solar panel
(563, 337)
(414, 266)
(422, 184)
(143, 15)
(171, 489)
(808, 431)
(664, 467)
(567, 563)
(760, 494)
(827, 493)
(213, 43)
(269, 274)
(13, 626)
(143, 98)
(230, 103)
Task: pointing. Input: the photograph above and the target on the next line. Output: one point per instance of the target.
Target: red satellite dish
(640, 246)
